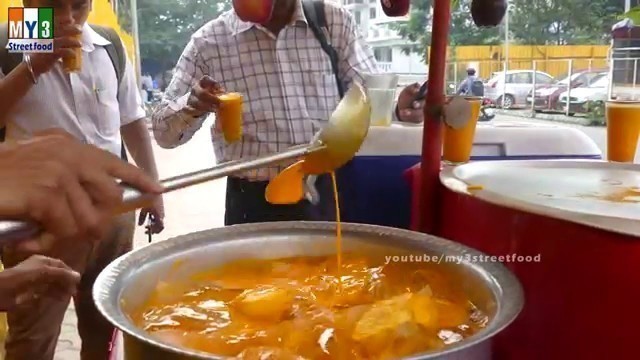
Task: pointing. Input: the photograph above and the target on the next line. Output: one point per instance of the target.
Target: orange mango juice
(623, 128)
(230, 116)
(73, 63)
(457, 143)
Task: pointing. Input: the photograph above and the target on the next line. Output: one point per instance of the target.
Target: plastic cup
(381, 81)
(382, 101)
(73, 63)
(623, 129)
(458, 143)
(230, 116)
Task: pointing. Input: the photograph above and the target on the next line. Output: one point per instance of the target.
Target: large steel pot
(126, 282)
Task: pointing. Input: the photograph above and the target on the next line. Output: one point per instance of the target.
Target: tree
(462, 32)
(563, 22)
(535, 22)
(165, 26)
(415, 28)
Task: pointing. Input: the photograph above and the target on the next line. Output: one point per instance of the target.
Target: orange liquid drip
(338, 229)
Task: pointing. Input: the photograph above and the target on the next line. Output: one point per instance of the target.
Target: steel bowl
(126, 283)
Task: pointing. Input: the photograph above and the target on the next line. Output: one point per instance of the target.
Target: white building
(388, 46)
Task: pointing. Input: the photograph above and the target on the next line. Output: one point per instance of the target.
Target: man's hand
(36, 277)
(69, 188)
(65, 44)
(155, 214)
(204, 97)
(408, 109)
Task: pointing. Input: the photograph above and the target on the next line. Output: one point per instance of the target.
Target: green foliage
(464, 32)
(415, 28)
(633, 14)
(531, 22)
(165, 26)
(563, 22)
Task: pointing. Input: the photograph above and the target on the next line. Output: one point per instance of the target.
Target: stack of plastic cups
(381, 89)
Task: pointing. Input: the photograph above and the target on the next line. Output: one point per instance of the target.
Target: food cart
(578, 244)
(570, 228)
(379, 194)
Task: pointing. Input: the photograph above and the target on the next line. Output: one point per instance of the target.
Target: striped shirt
(287, 82)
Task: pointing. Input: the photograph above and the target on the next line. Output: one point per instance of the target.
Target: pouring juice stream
(287, 188)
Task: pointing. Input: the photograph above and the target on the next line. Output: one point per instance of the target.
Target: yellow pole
(102, 14)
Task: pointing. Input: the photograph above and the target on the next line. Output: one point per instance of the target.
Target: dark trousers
(246, 203)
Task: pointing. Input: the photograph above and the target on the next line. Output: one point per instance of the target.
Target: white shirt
(86, 104)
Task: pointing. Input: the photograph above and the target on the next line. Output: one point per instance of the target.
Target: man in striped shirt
(289, 90)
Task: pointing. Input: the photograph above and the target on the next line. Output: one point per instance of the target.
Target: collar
(91, 39)
(238, 26)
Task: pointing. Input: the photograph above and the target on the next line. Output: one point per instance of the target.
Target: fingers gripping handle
(14, 231)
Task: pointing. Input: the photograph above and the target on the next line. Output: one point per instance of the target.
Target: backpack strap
(314, 11)
(115, 50)
(116, 53)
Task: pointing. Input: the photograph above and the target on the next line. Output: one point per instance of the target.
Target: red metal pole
(432, 133)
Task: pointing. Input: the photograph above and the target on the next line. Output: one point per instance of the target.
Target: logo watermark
(458, 259)
(30, 30)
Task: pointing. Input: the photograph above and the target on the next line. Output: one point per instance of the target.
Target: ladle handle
(132, 199)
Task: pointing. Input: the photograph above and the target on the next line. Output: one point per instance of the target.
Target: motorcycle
(487, 111)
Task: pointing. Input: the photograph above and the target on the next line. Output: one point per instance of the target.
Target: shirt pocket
(314, 61)
(321, 95)
(107, 107)
(319, 81)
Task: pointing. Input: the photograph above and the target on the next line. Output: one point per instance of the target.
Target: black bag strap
(115, 50)
(116, 53)
(316, 18)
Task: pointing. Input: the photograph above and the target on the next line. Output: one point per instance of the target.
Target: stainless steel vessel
(125, 284)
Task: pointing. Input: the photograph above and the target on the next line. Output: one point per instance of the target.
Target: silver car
(519, 83)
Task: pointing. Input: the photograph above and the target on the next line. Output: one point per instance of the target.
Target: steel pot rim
(502, 282)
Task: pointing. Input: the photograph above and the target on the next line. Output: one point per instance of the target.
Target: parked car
(581, 97)
(518, 85)
(546, 96)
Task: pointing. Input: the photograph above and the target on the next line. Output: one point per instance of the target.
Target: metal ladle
(333, 146)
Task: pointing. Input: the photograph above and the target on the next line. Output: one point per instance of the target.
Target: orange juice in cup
(230, 116)
(623, 128)
(458, 141)
(73, 63)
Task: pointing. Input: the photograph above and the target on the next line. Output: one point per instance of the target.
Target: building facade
(388, 45)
